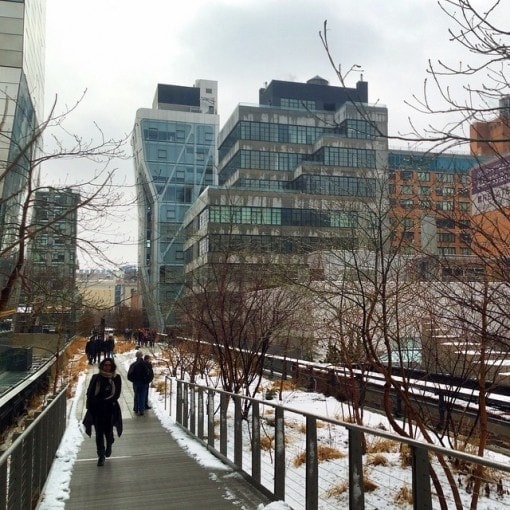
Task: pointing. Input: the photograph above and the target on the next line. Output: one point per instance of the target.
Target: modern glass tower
(174, 145)
(22, 47)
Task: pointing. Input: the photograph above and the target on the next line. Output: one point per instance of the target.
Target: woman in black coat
(103, 410)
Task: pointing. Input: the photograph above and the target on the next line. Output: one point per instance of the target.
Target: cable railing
(25, 465)
(280, 450)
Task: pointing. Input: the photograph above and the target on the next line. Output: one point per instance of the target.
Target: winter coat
(139, 372)
(103, 399)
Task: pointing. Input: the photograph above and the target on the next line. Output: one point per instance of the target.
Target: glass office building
(22, 48)
(174, 146)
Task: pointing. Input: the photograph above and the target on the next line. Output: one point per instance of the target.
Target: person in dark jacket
(147, 360)
(90, 350)
(103, 410)
(139, 375)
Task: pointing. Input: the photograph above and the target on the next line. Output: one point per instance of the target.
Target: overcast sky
(119, 51)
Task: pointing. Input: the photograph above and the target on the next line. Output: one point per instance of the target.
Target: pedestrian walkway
(149, 470)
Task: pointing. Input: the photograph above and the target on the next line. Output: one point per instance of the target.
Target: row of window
(297, 104)
(408, 175)
(168, 131)
(232, 214)
(409, 189)
(441, 223)
(335, 185)
(267, 244)
(419, 162)
(346, 157)
(409, 203)
(294, 133)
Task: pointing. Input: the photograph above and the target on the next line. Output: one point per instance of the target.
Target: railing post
(255, 446)
(279, 455)
(178, 404)
(210, 418)
(223, 423)
(238, 433)
(422, 497)
(200, 404)
(356, 487)
(312, 465)
(185, 406)
(192, 408)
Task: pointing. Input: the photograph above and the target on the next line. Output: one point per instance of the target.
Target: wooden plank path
(149, 470)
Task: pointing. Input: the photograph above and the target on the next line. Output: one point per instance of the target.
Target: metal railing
(205, 414)
(25, 465)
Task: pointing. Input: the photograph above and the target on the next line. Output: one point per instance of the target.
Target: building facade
(297, 173)
(50, 274)
(492, 138)
(430, 199)
(175, 153)
(22, 45)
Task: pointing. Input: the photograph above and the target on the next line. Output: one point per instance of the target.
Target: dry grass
(160, 387)
(404, 496)
(406, 456)
(377, 459)
(323, 453)
(380, 445)
(286, 385)
(341, 488)
(337, 490)
(369, 485)
(266, 443)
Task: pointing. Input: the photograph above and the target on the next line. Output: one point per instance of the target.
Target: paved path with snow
(148, 470)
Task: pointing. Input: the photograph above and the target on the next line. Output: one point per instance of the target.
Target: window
(161, 153)
(203, 246)
(406, 175)
(444, 206)
(424, 176)
(208, 91)
(406, 189)
(424, 190)
(446, 237)
(407, 203)
(464, 206)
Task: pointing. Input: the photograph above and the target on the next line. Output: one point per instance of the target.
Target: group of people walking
(103, 393)
(97, 347)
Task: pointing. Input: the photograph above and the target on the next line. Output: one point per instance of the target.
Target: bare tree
(239, 310)
(98, 194)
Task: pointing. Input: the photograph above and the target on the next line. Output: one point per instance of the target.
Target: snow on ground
(389, 479)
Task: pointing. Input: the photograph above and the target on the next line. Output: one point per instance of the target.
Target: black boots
(100, 461)
(108, 450)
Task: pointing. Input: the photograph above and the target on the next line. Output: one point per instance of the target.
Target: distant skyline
(119, 52)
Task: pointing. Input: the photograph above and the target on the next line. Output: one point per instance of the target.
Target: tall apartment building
(298, 173)
(22, 44)
(49, 293)
(174, 145)
(430, 198)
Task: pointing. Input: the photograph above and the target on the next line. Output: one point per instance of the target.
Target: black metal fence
(218, 419)
(25, 465)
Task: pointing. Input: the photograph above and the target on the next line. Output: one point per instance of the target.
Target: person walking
(90, 350)
(103, 409)
(139, 375)
(147, 360)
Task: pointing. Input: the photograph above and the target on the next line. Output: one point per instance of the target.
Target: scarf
(105, 385)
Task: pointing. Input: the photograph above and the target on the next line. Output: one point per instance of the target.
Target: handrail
(191, 410)
(25, 465)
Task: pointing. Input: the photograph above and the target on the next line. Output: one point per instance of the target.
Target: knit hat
(139, 354)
